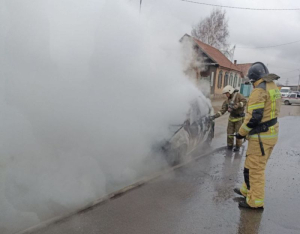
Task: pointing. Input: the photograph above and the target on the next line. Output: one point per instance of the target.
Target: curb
(116, 194)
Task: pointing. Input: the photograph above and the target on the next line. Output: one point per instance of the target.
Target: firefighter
(261, 129)
(235, 104)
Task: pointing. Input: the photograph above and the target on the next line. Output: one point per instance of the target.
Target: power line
(265, 47)
(290, 77)
(290, 71)
(271, 65)
(243, 8)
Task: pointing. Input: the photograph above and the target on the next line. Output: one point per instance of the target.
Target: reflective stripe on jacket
(263, 105)
(240, 101)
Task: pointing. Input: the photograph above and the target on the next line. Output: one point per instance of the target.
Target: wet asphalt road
(198, 198)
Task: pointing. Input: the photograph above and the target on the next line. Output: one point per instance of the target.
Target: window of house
(226, 79)
(212, 79)
(231, 79)
(239, 82)
(220, 79)
(234, 81)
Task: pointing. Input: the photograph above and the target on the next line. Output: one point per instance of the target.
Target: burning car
(196, 131)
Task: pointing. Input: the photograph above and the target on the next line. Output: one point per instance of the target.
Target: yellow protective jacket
(263, 105)
(237, 113)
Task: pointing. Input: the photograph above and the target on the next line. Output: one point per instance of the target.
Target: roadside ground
(199, 198)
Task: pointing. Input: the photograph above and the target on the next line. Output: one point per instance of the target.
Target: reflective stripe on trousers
(244, 189)
(254, 175)
(232, 119)
(233, 127)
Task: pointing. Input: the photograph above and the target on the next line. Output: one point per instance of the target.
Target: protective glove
(239, 136)
(230, 108)
(235, 106)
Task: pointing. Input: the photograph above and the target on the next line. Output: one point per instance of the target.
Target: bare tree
(213, 30)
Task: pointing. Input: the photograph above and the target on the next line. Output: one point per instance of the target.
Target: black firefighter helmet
(257, 71)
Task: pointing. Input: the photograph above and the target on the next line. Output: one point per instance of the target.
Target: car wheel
(286, 102)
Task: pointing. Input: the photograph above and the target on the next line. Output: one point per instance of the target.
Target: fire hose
(259, 140)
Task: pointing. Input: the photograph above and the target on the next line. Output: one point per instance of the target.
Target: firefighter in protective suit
(235, 104)
(261, 129)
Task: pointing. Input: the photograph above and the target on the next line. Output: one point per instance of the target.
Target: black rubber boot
(229, 147)
(237, 191)
(236, 149)
(244, 204)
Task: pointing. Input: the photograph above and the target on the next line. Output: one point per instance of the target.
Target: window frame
(226, 77)
(220, 77)
(231, 78)
(234, 80)
(239, 81)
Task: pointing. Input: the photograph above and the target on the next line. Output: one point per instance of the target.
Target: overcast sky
(248, 28)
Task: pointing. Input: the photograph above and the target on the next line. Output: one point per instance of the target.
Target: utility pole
(232, 53)
(298, 80)
(287, 82)
(141, 5)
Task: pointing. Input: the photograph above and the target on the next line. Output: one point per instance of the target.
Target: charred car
(196, 131)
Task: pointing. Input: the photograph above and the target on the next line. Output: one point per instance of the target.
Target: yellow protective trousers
(254, 175)
(233, 127)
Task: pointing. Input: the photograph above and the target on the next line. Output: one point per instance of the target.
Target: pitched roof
(244, 68)
(216, 55)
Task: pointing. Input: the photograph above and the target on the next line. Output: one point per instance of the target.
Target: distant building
(244, 67)
(215, 67)
(293, 87)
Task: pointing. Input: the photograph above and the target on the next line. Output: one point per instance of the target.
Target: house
(214, 67)
(244, 67)
(246, 87)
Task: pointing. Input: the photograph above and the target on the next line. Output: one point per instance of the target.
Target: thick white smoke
(86, 90)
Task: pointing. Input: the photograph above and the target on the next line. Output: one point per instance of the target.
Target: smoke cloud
(86, 90)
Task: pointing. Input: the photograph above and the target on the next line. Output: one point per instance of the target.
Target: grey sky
(248, 28)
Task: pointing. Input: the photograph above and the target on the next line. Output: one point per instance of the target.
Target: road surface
(198, 198)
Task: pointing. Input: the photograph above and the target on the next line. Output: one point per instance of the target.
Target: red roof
(216, 56)
(244, 68)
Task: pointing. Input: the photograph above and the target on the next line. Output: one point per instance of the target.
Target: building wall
(206, 80)
(217, 81)
(225, 76)
(293, 87)
(211, 74)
